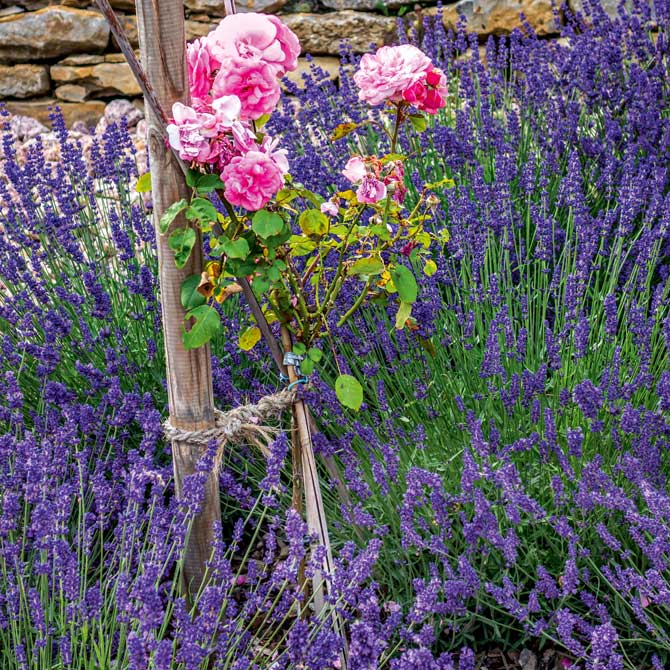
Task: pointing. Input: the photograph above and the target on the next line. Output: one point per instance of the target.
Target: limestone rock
(118, 58)
(322, 33)
(500, 17)
(25, 127)
(102, 80)
(82, 59)
(12, 9)
(51, 32)
(40, 108)
(217, 7)
(72, 93)
(329, 64)
(195, 29)
(123, 109)
(267, 6)
(362, 5)
(23, 81)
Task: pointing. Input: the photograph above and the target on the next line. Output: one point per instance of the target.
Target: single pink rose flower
(255, 36)
(330, 208)
(395, 182)
(253, 81)
(371, 190)
(386, 74)
(428, 93)
(251, 180)
(192, 134)
(355, 169)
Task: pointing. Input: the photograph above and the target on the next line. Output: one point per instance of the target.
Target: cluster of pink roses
(245, 56)
(376, 179)
(234, 76)
(401, 74)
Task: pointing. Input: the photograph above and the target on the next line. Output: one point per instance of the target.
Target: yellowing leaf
(346, 195)
(313, 222)
(343, 130)
(144, 183)
(213, 269)
(423, 239)
(249, 337)
(430, 268)
(447, 182)
(404, 312)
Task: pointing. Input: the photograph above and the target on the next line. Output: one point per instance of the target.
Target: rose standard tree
(312, 260)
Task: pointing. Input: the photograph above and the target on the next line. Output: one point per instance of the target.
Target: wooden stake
(189, 373)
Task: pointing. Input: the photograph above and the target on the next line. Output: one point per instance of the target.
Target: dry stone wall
(63, 54)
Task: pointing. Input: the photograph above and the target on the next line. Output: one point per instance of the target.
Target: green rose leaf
(201, 209)
(192, 177)
(300, 246)
(207, 183)
(170, 214)
(349, 391)
(236, 248)
(181, 241)
(144, 183)
(405, 283)
(190, 296)
(267, 224)
(299, 349)
(307, 366)
(418, 122)
(404, 312)
(313, 222)
(207, 322)
(367, 266)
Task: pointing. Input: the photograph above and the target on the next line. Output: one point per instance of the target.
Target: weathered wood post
(189, 373)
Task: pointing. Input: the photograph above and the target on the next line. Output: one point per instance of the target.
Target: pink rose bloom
(428, 94)
(386, 74)
(329, 207)
(255, 36)
(371, 190)
(227, 110)
(200, 68)
(251, 180)
(253, 81)
(355, 169)
(290, 45)
(279, 156)
(192, 134)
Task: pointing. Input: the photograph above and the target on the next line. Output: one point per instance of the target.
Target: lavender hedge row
(507, 478)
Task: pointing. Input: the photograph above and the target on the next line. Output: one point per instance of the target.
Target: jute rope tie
(242, 424)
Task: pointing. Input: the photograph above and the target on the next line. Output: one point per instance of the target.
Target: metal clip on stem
(292, 359)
